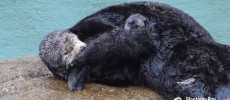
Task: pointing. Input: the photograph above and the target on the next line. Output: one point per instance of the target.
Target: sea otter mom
(184, 59)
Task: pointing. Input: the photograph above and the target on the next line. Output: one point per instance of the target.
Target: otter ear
(92, 26)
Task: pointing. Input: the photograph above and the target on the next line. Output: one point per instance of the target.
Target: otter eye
(131, 22)
(66, 52)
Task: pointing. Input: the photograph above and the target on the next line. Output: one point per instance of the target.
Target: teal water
(24, 23)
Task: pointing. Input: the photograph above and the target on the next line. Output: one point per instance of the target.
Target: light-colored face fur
(58, 49)
(74, 47)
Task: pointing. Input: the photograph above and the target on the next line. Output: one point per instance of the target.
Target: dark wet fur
(115, 66)
(183, 50)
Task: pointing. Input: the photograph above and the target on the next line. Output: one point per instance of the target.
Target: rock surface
(27, 78)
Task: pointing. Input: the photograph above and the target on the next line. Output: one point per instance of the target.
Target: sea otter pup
(135, 21)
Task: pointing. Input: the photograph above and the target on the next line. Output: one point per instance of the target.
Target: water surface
(24, 23)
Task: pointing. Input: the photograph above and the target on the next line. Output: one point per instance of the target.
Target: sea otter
(58, 49)
(184, 62)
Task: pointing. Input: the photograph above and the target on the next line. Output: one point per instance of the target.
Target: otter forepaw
(187, 82)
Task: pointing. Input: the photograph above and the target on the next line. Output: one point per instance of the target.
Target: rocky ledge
(27, 78)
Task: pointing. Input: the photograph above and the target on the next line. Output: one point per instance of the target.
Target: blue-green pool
(24, 23)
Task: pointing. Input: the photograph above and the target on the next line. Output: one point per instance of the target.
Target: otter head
(136, 21)
(57, 51)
